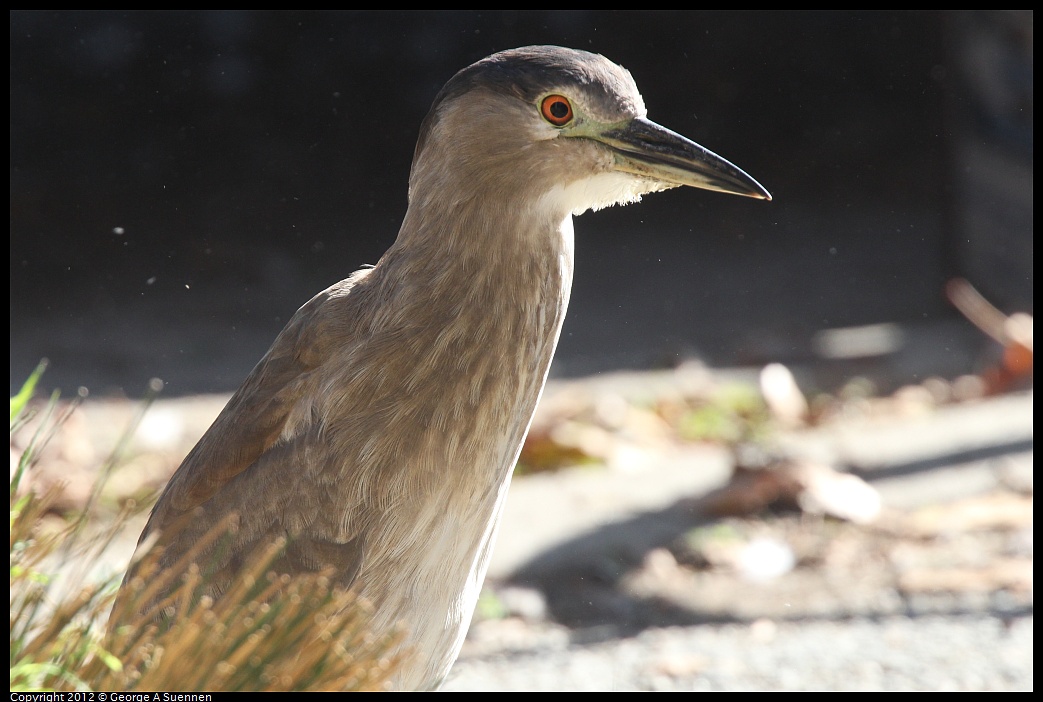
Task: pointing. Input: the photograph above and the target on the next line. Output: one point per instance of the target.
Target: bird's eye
(557, 110)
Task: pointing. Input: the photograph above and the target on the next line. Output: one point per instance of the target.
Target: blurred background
(181, 181)
(781, 448)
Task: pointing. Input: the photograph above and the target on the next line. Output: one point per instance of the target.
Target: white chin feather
(604, 190)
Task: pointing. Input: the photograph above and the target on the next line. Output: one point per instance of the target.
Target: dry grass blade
(267, 632)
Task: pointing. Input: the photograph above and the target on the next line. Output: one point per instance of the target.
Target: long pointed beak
(645, 148)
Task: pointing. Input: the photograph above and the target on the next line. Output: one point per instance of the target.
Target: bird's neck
(489, 253)
(484, 300)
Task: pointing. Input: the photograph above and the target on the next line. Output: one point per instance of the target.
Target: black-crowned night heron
(379, 432)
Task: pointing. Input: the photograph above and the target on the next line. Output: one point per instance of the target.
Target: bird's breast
(441, 396)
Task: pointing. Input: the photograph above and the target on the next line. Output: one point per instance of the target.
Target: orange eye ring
(557, 110)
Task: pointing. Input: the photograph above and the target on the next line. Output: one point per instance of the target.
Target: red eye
(557, 110)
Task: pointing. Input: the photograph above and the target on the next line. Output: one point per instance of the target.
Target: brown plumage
(379, 432)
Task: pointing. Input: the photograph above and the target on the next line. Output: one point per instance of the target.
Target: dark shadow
(979, 453)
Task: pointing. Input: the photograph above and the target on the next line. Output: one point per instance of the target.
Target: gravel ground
(972, 652)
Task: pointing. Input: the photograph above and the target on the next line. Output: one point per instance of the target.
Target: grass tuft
(267, 632)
